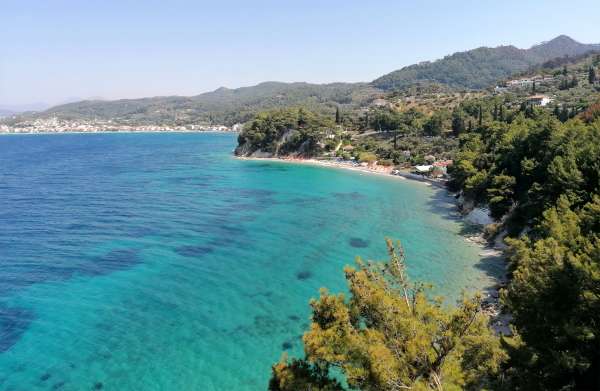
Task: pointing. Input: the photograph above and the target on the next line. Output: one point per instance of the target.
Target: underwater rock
(358, 242)
(303, 275)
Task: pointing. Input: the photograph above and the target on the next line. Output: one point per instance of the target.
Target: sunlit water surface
(160, 262)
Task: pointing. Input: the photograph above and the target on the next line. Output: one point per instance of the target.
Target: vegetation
(389, 336)
(478, 68)
(285, 132)
(481, 67)
(543, 177)
(222, 106)
(554, 297)
(538, 170)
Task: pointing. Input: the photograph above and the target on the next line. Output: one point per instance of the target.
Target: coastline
(499, 321)
(375, 169)
(118, 132)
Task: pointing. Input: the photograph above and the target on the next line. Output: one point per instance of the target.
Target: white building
(539, 100)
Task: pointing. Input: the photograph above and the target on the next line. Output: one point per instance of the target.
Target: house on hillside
(539, 100)
(380, 103)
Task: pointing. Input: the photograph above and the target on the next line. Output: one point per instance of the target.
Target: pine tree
(389, 335)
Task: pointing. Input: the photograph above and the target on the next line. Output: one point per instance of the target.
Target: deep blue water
(160, 262)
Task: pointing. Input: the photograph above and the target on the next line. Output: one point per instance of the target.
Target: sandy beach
(373, 169)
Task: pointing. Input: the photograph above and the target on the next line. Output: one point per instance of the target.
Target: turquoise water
(160, 262)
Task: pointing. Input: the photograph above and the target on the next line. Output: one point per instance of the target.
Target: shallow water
(160, 262)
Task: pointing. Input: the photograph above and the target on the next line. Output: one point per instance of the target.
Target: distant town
(55, 125)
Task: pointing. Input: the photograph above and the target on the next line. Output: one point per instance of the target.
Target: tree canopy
(389, 335)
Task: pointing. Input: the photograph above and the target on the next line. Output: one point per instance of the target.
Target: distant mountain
(481, 67)
(473, 69)
(223, 106)
(6, 112)
(10, 109)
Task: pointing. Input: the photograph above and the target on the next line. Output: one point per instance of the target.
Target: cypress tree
(338, 119)
(495, 113)
(556, 112)
(565, 72)
(501, 115)
(529, 111)
(458, 123)
(480, 119)
(533, 87)
(523, 107)
(564, 114)
(573, 112)
(592, 75)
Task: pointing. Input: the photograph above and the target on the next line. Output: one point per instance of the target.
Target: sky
(55, 51)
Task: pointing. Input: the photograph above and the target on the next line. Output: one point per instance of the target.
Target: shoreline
(499, 321)
(117, 131)
(387, 171)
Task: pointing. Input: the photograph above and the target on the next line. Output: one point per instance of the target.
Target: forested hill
(474, 69)
(222, 106)
(481, 67)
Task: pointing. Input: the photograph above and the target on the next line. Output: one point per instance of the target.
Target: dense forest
(284, 132)
(479, 68)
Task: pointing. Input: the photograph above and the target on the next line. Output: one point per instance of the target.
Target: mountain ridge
(478, 68)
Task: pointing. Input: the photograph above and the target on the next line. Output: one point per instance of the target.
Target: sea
(159, 261)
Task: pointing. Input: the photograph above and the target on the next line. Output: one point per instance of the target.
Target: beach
(374, 169)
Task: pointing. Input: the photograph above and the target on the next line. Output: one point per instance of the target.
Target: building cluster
(524, 82)
(528, 81)
(55, 125)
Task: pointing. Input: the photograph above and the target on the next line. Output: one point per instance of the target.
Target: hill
(475, 69)
(481, 67)
(222, 106)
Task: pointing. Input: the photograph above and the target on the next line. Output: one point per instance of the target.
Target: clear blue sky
(54, 50)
